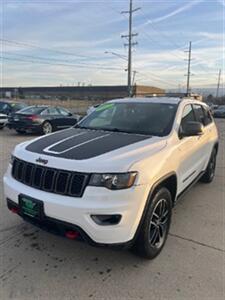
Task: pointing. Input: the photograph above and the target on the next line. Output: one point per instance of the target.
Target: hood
(90, 150)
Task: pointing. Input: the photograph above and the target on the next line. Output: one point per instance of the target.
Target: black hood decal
(81, 144)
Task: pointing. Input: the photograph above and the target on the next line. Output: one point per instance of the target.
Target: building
(80, 92)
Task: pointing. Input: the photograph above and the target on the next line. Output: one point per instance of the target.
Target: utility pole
(218, 85)
(189, 69)
(130, 46)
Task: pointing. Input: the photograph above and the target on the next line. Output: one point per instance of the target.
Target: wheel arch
(216, 146)
(168, 181)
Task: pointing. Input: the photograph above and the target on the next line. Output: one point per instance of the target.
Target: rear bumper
(24, 126)
(77, 212)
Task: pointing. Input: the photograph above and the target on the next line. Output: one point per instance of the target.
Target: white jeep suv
(114, 177)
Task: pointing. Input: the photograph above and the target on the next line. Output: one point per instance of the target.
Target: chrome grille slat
(48, 179)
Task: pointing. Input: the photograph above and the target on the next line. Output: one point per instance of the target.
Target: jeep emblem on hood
(42, 161)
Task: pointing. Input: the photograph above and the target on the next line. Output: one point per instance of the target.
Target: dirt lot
(37, 265)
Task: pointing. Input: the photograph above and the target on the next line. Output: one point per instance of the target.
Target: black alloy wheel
(155, 227)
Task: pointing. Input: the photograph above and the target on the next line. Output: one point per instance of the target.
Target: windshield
(139, 118)
(32, 110)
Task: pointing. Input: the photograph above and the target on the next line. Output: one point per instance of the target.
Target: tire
(210, 171)
(1, 127)
(20, 131)
(155, 227)
(47, 127)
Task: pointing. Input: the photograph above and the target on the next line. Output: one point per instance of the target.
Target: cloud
(173, 13)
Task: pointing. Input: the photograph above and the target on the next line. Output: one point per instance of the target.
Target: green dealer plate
(31, 207)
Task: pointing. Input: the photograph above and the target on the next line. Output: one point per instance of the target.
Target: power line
(163, 34)
(22, 44)
(60, 64)
(52, 59)
(159, 79)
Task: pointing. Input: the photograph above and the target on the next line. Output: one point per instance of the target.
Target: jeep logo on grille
(42, 161)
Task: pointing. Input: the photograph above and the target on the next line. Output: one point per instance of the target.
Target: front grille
(48, 179)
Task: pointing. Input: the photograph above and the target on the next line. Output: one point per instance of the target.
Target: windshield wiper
(83, 127)
(114, 129)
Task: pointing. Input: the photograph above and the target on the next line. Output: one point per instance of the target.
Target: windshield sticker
(105, 106)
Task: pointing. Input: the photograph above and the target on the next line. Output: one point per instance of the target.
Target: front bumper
(77, 212)
(3, 122)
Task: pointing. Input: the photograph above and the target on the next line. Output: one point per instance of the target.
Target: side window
(63, 111)
(44, 112)
(52, 111)
(208, 116)
(199, 113)
(187, 116)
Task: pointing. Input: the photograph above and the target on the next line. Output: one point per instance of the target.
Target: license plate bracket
(31, 207)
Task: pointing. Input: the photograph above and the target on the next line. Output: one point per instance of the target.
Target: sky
(69, 42)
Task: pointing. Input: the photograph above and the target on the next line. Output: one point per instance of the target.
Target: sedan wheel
(47, 128)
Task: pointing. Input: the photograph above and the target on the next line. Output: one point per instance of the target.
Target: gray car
(219, 112)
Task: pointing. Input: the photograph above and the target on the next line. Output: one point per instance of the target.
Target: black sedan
(41, 119)
(219, 112)
(9, 107)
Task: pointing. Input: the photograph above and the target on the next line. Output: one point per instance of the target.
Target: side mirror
(70, 114)
(191, 129)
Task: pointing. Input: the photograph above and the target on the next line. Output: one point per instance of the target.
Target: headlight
(113, 181)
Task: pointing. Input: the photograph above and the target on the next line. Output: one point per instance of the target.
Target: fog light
(106, 219)
(14, 210)
(72, 235)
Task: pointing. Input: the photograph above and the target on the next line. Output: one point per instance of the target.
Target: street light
(117, 54)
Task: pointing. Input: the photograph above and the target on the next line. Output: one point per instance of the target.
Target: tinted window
(3, 106)
(208, 116)
(187, 116)
(141, 118)
(32, 110)
(199, 113)
(63, 111)
(17, 106)
(52, 111)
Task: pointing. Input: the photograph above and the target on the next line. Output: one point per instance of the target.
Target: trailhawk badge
(42, 161)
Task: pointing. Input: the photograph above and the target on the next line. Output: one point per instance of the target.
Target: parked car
(3, 120)
(219, 112)
(8, 107)
(114, 178)
(42, 119)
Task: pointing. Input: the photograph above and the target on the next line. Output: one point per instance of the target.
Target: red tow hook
(14, 210)
(72, 235)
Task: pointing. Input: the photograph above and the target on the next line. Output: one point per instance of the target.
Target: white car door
(203, 116)
(191, 152)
